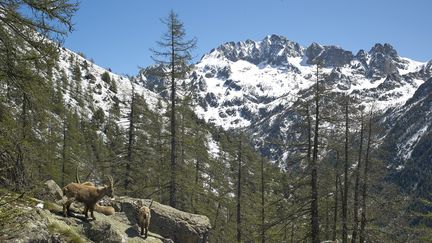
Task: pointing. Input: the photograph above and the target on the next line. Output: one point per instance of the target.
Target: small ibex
(107, 210)
(144, 216)
(87, 194)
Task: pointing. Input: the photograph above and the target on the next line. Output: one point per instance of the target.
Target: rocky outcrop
(35, 220)
(167, 221)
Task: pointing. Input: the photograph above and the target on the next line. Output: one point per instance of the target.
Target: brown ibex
(86, 193)
(144, 216)
(107, 210)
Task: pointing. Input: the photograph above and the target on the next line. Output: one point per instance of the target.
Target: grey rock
(330, 56)
(211, 100)
(314, 51)
(381, 65)
(386, 50)
(90, 77)
(202, 84)
(50, 191)
(223, 73)
(384, 61)
(427, 70)
(167, 221)
(102, 231)
(231, 84)
(392, 81)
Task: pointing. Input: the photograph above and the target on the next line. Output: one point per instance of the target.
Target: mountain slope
(409, 140)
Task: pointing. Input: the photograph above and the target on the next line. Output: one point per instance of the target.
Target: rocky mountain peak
(313, 51)
(273, 50)
(429, 66)
(386, 50)
(275, 39)
(362, 55)
(330, 56)
(384, 61)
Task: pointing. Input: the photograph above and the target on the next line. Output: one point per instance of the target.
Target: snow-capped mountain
(242, 83)
(254, 85)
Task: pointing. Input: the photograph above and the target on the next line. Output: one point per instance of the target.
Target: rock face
(330, 56)
(409, 142)
(167, 221)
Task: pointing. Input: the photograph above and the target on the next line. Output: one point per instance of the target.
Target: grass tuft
(68, 233)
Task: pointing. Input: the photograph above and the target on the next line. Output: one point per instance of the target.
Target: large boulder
(103, 231)
(49, 191)
(167, 221)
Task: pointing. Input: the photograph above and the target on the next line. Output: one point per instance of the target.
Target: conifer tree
(174, 55)
(346, 181)
(239, 190)
(357, 183)
(365, 183)
(313, 165)
(131, 140)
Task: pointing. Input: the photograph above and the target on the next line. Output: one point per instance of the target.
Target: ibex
(107, 210)
(144, 216)
(87, 194)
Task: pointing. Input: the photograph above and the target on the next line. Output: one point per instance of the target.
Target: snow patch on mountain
(213, 147)
(103, 96)
(406, 148)
(411, 66)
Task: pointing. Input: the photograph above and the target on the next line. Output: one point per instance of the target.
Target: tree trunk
(239, 173)
(365, 183)
(173, 182)
(314, 176)
(216, 217)
(64, 153)
(19, 173)
(345, 194)
(335, 214)
(262, 202)
(327, 221)
(292, 232)
(193, 194)
(356, 185)
(131, 134)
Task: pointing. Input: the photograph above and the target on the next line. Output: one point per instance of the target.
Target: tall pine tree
(174, 55)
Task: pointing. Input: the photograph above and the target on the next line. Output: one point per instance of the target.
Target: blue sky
(118, 34)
